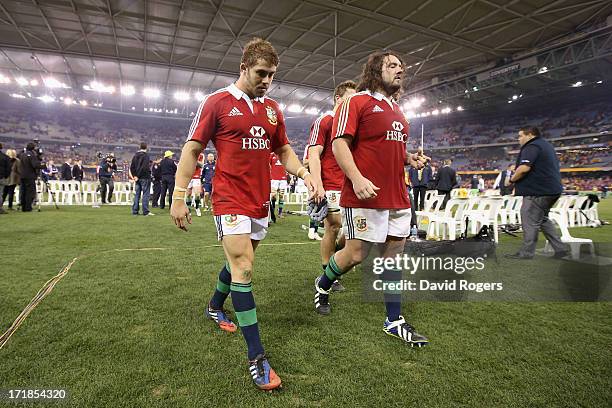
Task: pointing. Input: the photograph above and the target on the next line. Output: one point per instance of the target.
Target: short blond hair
(257, 49)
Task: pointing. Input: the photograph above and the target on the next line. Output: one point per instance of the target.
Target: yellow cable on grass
(42, 293)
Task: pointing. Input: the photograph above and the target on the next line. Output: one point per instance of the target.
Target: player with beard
(370, 135)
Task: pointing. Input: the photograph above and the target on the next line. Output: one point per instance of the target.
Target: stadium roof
(189, 45)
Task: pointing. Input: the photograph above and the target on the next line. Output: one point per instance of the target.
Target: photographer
(30, 164)
(106, 168)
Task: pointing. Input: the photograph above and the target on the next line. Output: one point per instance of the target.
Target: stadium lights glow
(459, 108)
(435, 112)
(99, 87)
(21, 81)
(413, 103)
(295, 108)
(446, 110)
(543, 70)
(514, 97)
(199, 96)
(83, 102)
(509, 101)
(475, 88)
(46, 98)
(410, 114)
(282, 106)
(34, 82)
(600, 82)
(151, 93)
(4, 79)
(68, 101)
(133, 108)
(312, 111)
(19, 96)
(181, 96)
(51, 82)
(577, 84)
(128, 90)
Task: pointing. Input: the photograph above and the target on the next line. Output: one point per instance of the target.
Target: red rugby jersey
(320, 134)
(277, 170)
(198, 170)
(379, 134)
(244, 132)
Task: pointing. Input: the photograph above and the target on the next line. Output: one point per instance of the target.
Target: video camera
(108, 157)
(38, 150)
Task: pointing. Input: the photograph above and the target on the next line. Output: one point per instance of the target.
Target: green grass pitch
(125, 328)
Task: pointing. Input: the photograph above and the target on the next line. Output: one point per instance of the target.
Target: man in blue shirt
(538, 179)
(208, 172)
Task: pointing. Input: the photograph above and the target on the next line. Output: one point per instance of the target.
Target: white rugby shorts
(194, 183)
(374, 225)
(333, 200)
(278, 185)
(236, 224)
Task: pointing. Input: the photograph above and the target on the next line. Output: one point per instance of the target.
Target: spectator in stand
(140, 172)
(14, 179)
(51, 171)
(481, 184)
(502, 182)
(447, 180)
(168, 172)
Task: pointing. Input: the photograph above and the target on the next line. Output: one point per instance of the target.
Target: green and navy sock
(332, 273)
(393, 298)
(223, 288)
(281, 205)
(244, 307)
(314, 224)
(197, 201)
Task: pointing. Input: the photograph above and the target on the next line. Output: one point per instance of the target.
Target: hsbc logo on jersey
(396, 134)
(257, 131)
(257, 142)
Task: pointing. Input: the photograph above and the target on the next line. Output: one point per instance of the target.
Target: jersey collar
(380, 97)
(238, 94)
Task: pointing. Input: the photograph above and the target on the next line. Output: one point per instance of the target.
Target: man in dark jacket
(30, 165)
(140, 171)
(447, 180)
(5, 172)
(538, 179)
(157, 177)
(77, 170)
(419, 179)
(66, 170)
(168, 172)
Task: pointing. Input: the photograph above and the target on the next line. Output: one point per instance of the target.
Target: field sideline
(125, 328)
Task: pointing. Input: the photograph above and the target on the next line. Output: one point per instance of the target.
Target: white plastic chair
(486, 214)
(574, 214)
(445, 225)
(575, 244)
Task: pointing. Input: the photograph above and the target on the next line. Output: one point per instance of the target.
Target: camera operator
(106, 168)
(31, 163)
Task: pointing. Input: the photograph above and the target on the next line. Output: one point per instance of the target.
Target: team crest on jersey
(360, 223)
(231, 220)
(271, 115)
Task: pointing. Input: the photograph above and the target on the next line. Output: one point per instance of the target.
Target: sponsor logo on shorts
(333, 198)
(231, 220)
(360, 223)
